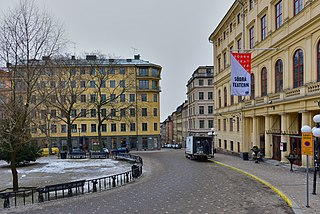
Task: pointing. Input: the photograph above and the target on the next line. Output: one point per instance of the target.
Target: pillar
(255, 132)
(284, 138)
(267, 138)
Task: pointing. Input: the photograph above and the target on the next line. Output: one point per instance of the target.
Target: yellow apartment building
(284, 39)
(130, 89)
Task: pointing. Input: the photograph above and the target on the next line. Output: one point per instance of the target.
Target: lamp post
(212, 133)
(79, 129)
(316, 133)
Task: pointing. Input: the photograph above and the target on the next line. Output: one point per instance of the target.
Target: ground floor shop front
(88, 143)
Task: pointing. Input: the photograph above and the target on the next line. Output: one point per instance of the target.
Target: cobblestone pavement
(292, 184)
(173, 184)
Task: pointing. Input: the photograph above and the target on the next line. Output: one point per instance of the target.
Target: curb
(296, 209)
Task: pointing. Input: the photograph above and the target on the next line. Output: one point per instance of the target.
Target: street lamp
(79, 129)
(316, 133)
(212, 133)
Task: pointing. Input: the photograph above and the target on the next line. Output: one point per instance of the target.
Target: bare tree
(26, 34)
(111, 102)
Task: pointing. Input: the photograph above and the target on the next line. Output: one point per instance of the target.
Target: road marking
(282, 195)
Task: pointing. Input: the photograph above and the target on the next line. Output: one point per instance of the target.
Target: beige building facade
(284, 39)
(200, 93)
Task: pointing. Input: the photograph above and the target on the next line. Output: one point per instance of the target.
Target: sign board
(307, 143)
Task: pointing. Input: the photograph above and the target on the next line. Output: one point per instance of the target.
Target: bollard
(94, 183)
(40, 196)
(6, 202)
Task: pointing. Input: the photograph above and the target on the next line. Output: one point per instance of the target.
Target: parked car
(177, 146)
(120, 150)
(45, 151)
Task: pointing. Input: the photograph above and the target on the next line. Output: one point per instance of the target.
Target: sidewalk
(278, 175)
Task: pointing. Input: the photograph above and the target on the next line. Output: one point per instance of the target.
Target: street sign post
(307, 149)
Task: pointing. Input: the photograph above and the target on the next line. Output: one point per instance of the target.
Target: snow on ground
(52, 170)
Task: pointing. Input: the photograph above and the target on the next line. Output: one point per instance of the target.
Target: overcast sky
(171, 33)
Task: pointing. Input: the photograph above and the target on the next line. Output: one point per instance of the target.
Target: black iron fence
(63, 190)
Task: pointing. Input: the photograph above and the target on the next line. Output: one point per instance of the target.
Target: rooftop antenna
(134, 50)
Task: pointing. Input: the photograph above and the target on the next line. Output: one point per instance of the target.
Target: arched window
(225, 96)
(219, 95)
(318, 62)
(252, 86)
(279, 76)
(264, 80)
(298, 69)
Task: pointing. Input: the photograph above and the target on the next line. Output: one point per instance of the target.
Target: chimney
(137, 57)
(91, 57)
(73, 57)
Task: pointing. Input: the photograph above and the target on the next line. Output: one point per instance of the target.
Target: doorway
(276, 147)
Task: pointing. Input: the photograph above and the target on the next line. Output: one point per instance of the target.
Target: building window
(113, 127)
(155, 112)
(155, 85)
(155, 72)
(298, 69)
(231, 124)
(122, 71)
(210, 109)
(144, 97)
(143, 72)
(225, 144)
(82, 84)
(92, 84)
(225, 60)
(238, 124)
(112, 71)
(103, 84)
(264, 82)
(122, 98)
(297, 6)
(83, 127)
(53, 128)
(144, 112)
(155, 126)
(143, 84)
(132, 127)
(132, 97)
(123, 127)
(201, 96)
(83, 98)
(210, 95)
(219, 125)
(112, 83)
(83, 113)
(263, 28)
(113, 112)
(63, 128)
(219, 95)
(279, 76)
(219, 65)
(210, 124)
(225, 96)
(224, 124)
(231, 145)
(113, 98)
(230, 27)
(93, 127)
(201, 109)
(252, 86)
(210, 82)
(104, 127)
(318, 62)
(251, 37)
(239, 44)
(93, 112)
(200, 82)
(103, 112)
(144, 126)
(155, 97)
(231, 99)
(251, 3)
(278, 14)
(92, 71)
(103, 97)
(73, 113)
(132, 112)
(82, 71)
(238, 18)
(102, 71)
(201, 124)
(93, 98)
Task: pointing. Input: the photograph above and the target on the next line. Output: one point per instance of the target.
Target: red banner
(244, 59)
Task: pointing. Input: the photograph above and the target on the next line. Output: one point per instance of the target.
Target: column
(284, 138)
(267, 138)
(255, 132)
(245, 132)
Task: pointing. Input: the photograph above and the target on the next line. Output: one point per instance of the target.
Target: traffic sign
(307, 143)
